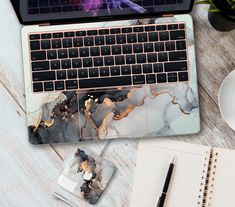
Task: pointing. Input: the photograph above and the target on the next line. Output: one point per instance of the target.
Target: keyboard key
(153, 36)
(103, 31)
(69, 34)
(115, 31)
(130, 59)
(82, 73)
(78, 42)
(138, 79)
(182, 26)
(34, 37)
(109, 60)
(38, 66)
(115, 70)
(46, 36)
(177, 35)
(80, 33)
(121, 39)
(174, 56)
(120, 60)
(72, 74)
(138, 29)
(158, 68)
(66, 64)
(152, 57)
(173, 26)
(99, 40)
(99, 61)
(170, 46)
(62, 54)
(59, 85)
(161, 27)
(73, 53)
(172, 77)
(105, 50)
(88, 41)
(183, 76)
(181, 45)
(105, 82)
(67, 43)
(142, 37)
(159, 46)
(104, 71)
(141, 58)
(93, 72)
(56, 43)
(92, 32)
(162, 57)
(84, 52)
(176, 66)
(43, 76)
(58, 35)
(40, 55)
(138, 48)
(149, 28)
(147, 68)
(110, 40)
(161, 78)
(164, 36)
(150, 78)
(37, 87)
(132, 38)
(148, 47)
(87, 62)
(48, 86)
(71, 84)
(127, 49)
(127, 30)
(35, 45)
(116, 50)
(55, 64)
(51, 54)
(126, 70)
(61, 74)
(136, 69)
(76, 63)
(95, 51)
(46, 44)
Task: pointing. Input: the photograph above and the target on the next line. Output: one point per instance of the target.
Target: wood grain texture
(28, 174)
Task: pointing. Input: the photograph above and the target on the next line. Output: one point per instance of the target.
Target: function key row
(135, 29)
(107, 40)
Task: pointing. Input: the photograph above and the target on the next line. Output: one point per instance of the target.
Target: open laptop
(104, 69)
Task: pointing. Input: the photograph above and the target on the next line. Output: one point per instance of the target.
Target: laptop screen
(85, 10)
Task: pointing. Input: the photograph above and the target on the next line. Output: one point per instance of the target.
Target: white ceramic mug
(227, 100)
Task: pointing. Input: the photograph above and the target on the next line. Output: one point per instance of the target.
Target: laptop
(108, 69)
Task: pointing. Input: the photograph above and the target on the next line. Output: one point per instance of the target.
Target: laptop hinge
(168, 15)
(44, 24)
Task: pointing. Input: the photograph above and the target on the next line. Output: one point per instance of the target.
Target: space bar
(105, 82)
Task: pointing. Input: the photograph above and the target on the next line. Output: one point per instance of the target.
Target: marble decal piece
(86, 176)
(133, 112)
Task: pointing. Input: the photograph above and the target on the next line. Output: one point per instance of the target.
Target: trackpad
(109, 114)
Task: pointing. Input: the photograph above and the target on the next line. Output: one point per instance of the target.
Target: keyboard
(58, 6)
(109, 57)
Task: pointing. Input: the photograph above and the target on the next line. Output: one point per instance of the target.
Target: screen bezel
(98, 19)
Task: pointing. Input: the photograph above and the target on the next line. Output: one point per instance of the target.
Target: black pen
(162, 198)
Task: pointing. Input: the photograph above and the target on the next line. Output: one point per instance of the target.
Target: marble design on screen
(147, 111)
(88, 176)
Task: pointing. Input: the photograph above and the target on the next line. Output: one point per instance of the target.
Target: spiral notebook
(202, 177)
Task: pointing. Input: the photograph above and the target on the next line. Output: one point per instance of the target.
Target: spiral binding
(208, 177)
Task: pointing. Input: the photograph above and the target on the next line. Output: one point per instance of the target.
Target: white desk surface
(28, 173)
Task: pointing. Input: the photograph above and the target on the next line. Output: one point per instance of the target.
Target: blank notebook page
(223, 194)
(154, 157)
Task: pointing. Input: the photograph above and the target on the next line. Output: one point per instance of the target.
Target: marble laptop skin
(86, 176)
(136, 112)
